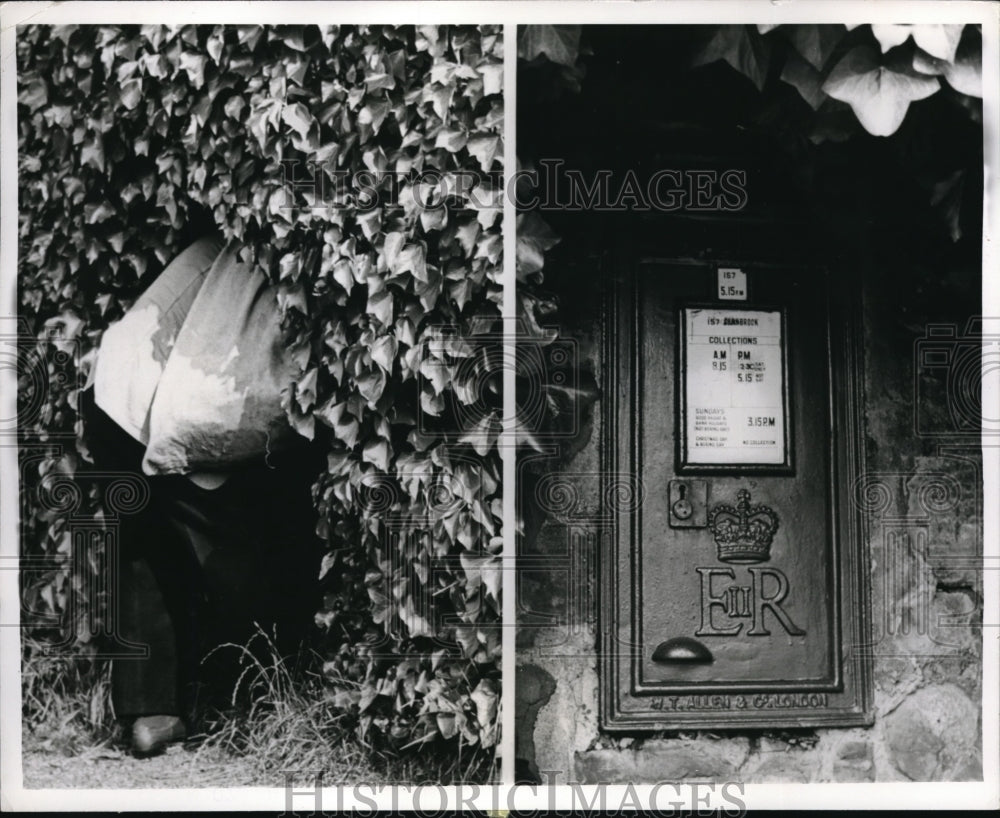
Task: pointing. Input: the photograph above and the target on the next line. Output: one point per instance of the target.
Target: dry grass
(281, 719)
(65, 702)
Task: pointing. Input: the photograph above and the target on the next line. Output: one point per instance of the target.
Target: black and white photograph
(258, 302)
(752, 546)
(579, 406)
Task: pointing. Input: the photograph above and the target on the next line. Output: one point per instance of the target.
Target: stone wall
(923, 507)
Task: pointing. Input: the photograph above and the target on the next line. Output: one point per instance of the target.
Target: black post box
(736, 594)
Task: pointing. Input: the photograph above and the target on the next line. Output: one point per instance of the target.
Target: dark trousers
(202, 567)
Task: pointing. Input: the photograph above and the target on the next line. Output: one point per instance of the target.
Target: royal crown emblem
(743, 534)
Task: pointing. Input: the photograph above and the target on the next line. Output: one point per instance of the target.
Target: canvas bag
(218, 403)
(135, 350)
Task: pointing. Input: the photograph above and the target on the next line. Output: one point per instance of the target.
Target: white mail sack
(217, 400)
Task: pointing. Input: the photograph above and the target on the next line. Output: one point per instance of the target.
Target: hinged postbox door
(740, 421)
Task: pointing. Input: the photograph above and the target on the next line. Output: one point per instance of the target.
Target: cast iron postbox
(736, 595)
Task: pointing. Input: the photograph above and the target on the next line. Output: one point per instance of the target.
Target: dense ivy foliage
(876, 70)
(360, 169)
(851, 82)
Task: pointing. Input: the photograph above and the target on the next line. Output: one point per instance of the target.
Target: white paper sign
(732, 284)
(734, 387)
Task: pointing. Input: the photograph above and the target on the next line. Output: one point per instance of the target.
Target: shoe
(152, 734)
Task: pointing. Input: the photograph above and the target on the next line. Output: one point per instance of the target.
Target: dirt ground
(105, 768)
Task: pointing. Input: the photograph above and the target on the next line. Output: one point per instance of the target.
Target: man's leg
(201, 566)
(140, 687)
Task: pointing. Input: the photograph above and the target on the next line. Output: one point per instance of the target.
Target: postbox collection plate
(733, 400)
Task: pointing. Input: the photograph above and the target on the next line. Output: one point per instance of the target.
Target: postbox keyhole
(688, 503)
(682, 507)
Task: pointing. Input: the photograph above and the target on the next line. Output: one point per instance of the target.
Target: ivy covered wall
(358, 167)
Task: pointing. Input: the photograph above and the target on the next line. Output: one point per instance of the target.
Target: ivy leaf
(805, 79)
(529, 308)
(416, 624)
(461, 292)
(452, 140)
(105, 302)
(92, 152)
(484, 148)
(304, 424)
(413, 259)
(447, 724)
(940, 41)
(815, 42)
(194, 65)
(329, 560)
(534, 238)
(486, 699)
(391, 247)
(377, 452)
(429, 39)
(234, 107)
(467, 639)
(131, 93)
(492, 74)
(370, 119)
(344, 275)
(483, 435)
(743, 48)
(434, 219)
(378, 80)
(878, 94)
(490, 570)
(214, 47)
(384, 352)
(436, 373)
(293, 37)
(305, 390)
(965, 74)
(380, 306)
(35, 94)
(292, 297)
(889, 36)
(95, 214)
(63, 330)
(371, 385)
(467, 233)
(368, 695)
(336, 416)
(370, 223)
(298, 118)
(561, 44)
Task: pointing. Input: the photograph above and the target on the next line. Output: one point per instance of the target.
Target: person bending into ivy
(186, 389)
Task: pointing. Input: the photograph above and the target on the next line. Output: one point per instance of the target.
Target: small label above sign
(732, 284)
(734, 387)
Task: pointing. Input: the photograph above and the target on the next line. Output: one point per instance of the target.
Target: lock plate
(688, 503)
